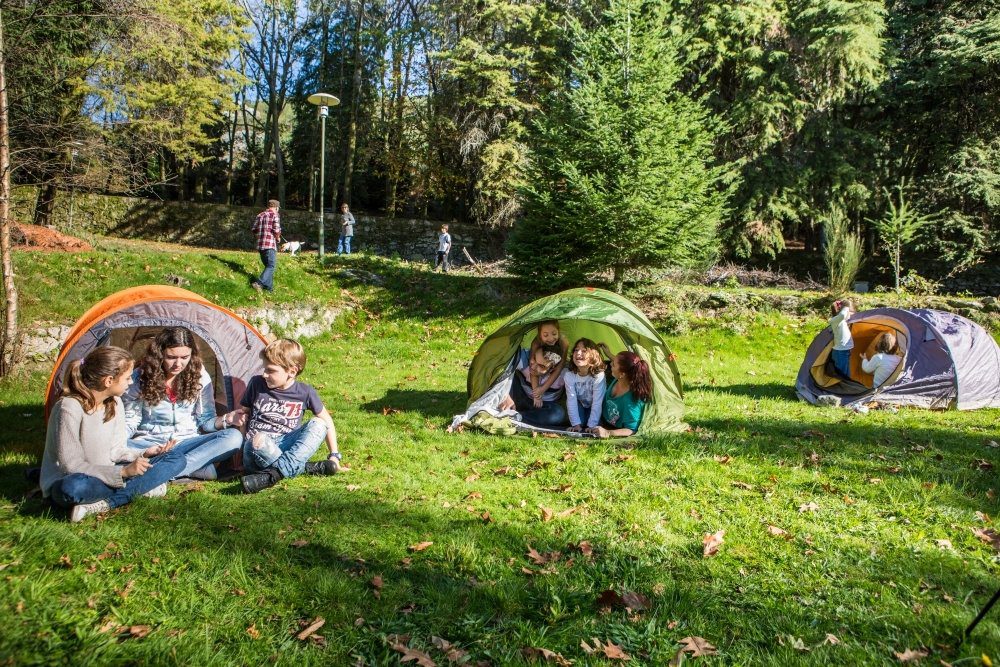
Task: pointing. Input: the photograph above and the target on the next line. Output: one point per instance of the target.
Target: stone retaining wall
(228, 227)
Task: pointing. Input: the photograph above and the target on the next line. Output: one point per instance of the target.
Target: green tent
(602, 316)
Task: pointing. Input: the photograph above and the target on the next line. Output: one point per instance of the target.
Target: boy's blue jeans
(202, 450)
(291, 451)
(344, 245)
(842, 362)
(80, 489)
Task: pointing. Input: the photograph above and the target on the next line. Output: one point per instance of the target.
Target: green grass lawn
(847, 538)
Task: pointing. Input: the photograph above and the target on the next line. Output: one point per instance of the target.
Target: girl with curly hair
(171, 400)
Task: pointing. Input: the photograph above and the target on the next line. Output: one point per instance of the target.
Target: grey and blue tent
(948, 362)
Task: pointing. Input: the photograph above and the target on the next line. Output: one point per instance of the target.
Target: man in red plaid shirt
(267, 228)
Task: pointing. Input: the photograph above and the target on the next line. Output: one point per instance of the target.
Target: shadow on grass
(769, 390)
(428, 403)
(237, 268)
(412, 292)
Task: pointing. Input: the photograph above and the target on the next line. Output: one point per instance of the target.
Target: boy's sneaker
(157, 491)
(77, 514)
(259, 481)
(328, 467)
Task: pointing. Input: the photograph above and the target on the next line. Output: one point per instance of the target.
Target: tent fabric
(130, 318)
(948, 362)
(602, 316)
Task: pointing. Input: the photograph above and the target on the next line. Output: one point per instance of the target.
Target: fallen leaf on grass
(944, 544)
(298, 544)
(909, 655)
(352, 487)
(419, 546)
(778, 532)
(874, 480)
(316, 624)
(502, 471)
(253, 631)
(123, 593)
(809, 507)
(475, 495)
(547, 514)
(585, 548)
(409, 654)
(989, 536)
(610, 650)
(135, 631)
(621, 458)
(982, 516)
(66, 561)
(712, 542)
(568, 512)
(982, 464)
(377, 586)
(697, 646)
(722, 460)
(472, 478)
(831, 640)
(531, 653)
(743, 485)
(386, 411)
(452, 652)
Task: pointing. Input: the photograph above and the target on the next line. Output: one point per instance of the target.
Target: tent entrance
(865, 333)
(137, 339)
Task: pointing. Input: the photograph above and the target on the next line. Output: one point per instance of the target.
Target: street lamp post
(324, 101)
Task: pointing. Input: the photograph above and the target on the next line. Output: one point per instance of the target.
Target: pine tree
(621, 178)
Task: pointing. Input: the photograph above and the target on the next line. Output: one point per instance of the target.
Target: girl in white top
(884, 362)
(843, 342)
(585, 384)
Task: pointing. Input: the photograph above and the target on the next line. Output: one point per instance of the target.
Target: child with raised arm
(548, 334)
(584, 380)
(277, 445)
(87, 466)
(885, 360)
(843, 342)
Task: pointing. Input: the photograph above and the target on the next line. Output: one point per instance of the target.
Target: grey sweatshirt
(77, 442)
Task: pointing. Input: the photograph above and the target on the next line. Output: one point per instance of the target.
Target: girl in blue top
(626, 396)
(171, 401)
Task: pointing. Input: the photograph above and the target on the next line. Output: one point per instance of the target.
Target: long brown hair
(594, 363)
(85, 376)
(637, 372)
(152, 379)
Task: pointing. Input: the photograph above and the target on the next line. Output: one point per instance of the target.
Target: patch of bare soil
(35, 237)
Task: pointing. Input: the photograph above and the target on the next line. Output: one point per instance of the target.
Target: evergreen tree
(621, 175)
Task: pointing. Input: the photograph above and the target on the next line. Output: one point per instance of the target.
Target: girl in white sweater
(885, 360)
(87, 466)
(585, 383)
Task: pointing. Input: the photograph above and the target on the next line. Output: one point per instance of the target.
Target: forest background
(812, 109)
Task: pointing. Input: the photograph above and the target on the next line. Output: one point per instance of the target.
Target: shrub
(843, 253)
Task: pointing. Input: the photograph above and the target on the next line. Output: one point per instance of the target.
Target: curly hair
(152, 378)
(637, 372)
(593, 363)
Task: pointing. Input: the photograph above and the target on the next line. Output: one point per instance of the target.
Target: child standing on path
(444, 247)
(346, 230)
(843, 342)
(87, 465)
(584, 380)
(277, 444)
(885, 360)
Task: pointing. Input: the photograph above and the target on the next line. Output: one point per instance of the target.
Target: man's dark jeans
(270, 259)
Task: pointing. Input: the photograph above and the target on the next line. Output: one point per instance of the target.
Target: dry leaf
(989, 536)
(809, 507)
(635, 601)
(614, 652)
(472, 478)
(138, 631)
(420, 546)
(123, 593)
(723, 460)
(317, 623)
(777, 532)
(410, 654)
(742, 485)
(944, 544)
(712, 542)
(570, 511)
(831, 640)
(585, 548)
(502, 471)
(536, 558)
(982, 464)
(253, 631)
(874, 480)
(66, 561)
(531, 653)
(546, 513)
(697, 646)
(298, 544)
(909, 655)
(475, 495)
(377, 586)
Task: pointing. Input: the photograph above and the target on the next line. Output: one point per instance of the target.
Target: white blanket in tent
(490, 403)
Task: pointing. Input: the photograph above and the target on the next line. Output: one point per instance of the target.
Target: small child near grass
(885, 360)
(277, 445)
(843, 341)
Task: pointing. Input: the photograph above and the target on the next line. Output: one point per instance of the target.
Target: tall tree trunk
(9, 341)
(45, 202)
(352, 124)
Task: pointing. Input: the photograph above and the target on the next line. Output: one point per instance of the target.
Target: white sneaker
(157, 492)
(78, 512)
